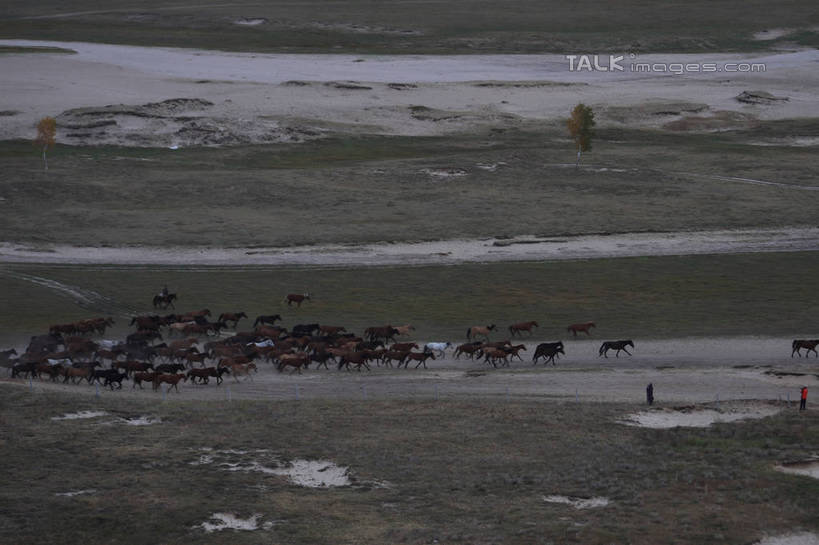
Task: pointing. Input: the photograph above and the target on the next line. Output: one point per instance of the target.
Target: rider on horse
(164, 292)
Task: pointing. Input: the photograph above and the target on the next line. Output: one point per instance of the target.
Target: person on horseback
(164, 292)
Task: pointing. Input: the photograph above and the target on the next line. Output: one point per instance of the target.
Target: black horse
(304, 330)
(615, 345)
(548, 351)
(164, 301)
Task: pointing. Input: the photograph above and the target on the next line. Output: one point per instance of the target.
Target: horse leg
(626, 351)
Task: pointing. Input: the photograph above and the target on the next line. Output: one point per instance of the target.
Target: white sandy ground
(683, 371)
(523, 248)
(249, 90)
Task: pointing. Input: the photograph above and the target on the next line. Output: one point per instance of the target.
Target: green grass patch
(369, 189)
(647, 297)
(435, 27)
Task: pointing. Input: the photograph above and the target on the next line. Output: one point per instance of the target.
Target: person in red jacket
(804, 399)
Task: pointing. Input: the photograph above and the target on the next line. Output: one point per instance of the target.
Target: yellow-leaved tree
(46, 135)
(581, 129)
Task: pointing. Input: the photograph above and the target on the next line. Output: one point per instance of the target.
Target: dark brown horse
(615, 345)
(267, 319)
(548, 351)
(469, 349)
(517, 329)
(576, 328)
(420, 357)
(231, 317)
(204, 374)
(386, 332)
(296, 298)
(808, 345)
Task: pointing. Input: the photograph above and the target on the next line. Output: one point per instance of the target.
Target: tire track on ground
(84, 297)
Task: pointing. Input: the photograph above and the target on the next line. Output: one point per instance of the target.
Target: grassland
(433, 26)
(657, 297)
(469, 471)
(350, 189)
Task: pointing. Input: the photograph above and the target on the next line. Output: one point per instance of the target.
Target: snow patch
(75, 493)
(805, 538)
(307, 473)
(691, 417)
(578, 503)
(79, 415)
(809, 468)
(141, 420)
(228, 521)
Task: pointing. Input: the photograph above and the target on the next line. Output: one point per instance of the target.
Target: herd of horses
(152, 355)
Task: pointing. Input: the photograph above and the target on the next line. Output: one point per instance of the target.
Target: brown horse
(575, 328)
(173, 380)
(517, 329)
(420, 357)
(243, 369)
(483, 331)
(139, 378)
(808, 345)
(296, 361)
(390, 356)
(495, 355)
(296, 298)
(469, 349)
(404, 330)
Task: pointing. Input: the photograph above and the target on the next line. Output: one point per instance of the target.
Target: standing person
(804, 400)
(650, 393)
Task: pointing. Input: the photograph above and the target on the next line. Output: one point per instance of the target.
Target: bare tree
(581, 129)
(46, 134)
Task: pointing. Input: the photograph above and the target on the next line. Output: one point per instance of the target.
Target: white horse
(437, 347)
